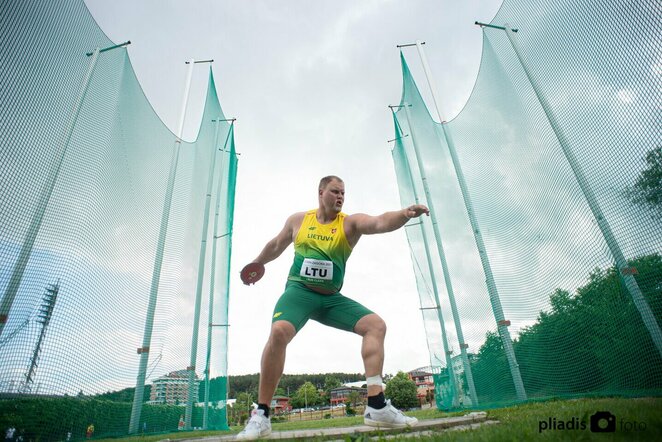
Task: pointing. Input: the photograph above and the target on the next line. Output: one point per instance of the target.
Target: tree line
(60, 418)
(235, 385)
(590, 342)
(289, 383)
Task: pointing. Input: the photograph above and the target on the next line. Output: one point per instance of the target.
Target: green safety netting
(112, 234)
(547, 208)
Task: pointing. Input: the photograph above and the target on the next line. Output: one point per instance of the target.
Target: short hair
(327, 179)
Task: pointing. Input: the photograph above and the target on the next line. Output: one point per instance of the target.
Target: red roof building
(340, 395)
(280, 404)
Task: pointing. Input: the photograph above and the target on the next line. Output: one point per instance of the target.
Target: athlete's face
(333, 195)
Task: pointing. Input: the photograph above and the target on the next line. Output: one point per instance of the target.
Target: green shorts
(298, 304)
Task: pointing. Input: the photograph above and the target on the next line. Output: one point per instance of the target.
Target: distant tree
(402, 391)
(306, 395)
(239, 413)
(243, 383)
(244, 401)
(647, 190)
(330, 382)
(125, 395)
(289, 382)
(51, 418)
(592, 341)
(596, 339)
(492, 376)
(354, 398)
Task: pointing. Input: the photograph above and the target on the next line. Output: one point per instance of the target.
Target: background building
(280, 404)
(173, 389)
(424, 381)
(340, 395)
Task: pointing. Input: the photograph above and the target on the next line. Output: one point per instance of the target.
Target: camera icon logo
(603, 422)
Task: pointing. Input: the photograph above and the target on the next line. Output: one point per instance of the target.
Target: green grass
(520, 422)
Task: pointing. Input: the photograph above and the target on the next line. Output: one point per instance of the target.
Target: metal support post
(502, 323)
(447, 351)
(212, 274)
(451, 295)
(198, 290)
(158, 261)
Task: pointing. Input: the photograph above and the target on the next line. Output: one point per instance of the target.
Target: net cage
(540, 270)
(115, 240)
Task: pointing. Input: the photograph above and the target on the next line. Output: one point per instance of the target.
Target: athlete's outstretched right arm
(274, 248)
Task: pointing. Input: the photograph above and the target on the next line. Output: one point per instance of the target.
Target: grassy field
(635, 419)
(317, 414)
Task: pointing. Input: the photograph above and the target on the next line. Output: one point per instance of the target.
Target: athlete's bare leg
(373, 330)
(273, 359)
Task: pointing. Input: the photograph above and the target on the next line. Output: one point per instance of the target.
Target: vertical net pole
(449, 363)
(495, 301)
(136, 408)
(616, 252)
(229, 223)
(451, 294)
(212, 274)
(44, 198)
(198, 289)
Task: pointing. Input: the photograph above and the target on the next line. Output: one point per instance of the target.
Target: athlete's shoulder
(355, 217)
(297, 217)
(293, 223)
(356, 222)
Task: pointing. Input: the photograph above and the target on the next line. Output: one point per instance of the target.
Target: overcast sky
(309, 83)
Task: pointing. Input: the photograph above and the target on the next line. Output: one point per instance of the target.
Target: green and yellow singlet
(320, 253)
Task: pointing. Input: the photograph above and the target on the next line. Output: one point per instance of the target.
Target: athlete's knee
(379, 326)
(282, 332)
(371, 324)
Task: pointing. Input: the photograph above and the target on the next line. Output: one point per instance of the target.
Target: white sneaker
(258, 426)
(387, 417)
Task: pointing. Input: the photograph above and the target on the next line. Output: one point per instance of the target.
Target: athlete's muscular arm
(362, 224)
(274, 248)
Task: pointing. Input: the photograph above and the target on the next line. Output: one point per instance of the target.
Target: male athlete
(323, 240)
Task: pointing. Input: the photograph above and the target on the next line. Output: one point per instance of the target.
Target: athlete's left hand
(416, 210)
(252, 273)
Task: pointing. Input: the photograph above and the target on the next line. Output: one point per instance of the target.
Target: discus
(252, 273)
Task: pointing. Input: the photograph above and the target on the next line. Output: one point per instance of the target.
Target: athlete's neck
(325, 217)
